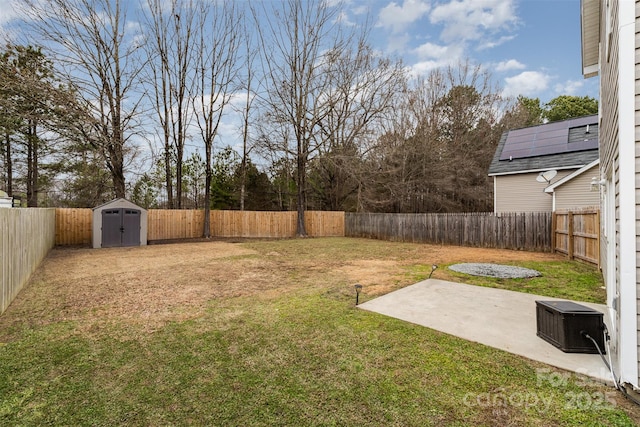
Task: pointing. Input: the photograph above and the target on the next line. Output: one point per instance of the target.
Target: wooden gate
(577, 234)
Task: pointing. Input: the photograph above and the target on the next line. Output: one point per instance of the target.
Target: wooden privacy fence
(526, 231)
(163, 224)
(577, 234)
(184, 224)
(73, 226)
(276, 224)
(26, 236)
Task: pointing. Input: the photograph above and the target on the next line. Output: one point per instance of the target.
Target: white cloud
(527, 83)
(398, 42)
(360, 10)
(9, 11)
(509, 65)
(8, 15)
(471, 19)
(491, 43)
(423, 67)
(432, 50)
(434, 56)
(397, 17)
(570, 87)
(343, 19)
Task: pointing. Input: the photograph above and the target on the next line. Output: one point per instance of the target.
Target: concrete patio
(494, 317)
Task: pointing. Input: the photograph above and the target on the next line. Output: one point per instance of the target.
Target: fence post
(570, 236)
(554, 224)
(598, 236)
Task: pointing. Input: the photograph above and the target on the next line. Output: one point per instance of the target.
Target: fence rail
(26, 236)
(525, 231)
(577, 234)
(73, 226)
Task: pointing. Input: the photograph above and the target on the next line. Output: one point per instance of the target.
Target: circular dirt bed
(495, 270)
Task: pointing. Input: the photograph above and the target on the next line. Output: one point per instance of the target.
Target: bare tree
(361, 90)
(434, 152)
(297, 41)
(404, 171)
(248, 79)
(172, 66)
(91, 41)
(217, 50)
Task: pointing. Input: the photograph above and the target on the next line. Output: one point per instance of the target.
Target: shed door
(111, 223)
(131, 227)
(120, 227)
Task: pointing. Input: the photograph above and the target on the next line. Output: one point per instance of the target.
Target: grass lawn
(263, 333)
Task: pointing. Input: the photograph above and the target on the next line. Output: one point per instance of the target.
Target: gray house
(611, 50)
(543, 168)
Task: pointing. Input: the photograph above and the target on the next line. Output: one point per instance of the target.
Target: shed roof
(120, 203)
(566, 144)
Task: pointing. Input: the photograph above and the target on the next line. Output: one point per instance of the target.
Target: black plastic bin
(562, 324)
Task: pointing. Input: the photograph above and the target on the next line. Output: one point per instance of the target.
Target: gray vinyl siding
(522, 193)
(609, 126)
(608, 129)
(637, 167)
(577, 192)
(609, 134)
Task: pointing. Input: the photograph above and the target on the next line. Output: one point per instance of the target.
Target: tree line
(114, 102)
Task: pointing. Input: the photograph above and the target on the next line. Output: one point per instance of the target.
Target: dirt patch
(151, 285)
(383, 276)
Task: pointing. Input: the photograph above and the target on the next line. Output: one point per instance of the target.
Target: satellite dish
(546, 176)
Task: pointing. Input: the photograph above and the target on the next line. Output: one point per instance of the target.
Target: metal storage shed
(119, 223)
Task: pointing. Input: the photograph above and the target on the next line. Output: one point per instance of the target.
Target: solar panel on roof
(552, 138)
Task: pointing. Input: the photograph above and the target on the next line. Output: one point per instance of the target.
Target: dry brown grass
(151, 285)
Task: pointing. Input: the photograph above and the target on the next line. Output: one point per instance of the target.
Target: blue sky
(531, 47)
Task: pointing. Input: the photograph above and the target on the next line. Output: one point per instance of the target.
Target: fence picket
(73, 226)
(577, 234)
(526, 231)
(535, 231)
(26, 236)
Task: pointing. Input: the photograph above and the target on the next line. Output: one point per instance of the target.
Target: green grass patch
(306, 360)
(572, 280)
(305, 356)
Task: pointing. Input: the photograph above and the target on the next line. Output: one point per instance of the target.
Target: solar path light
(433, 268)
(358, 289)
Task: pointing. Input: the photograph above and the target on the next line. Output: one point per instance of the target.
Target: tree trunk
(32, 165)
(168, 177)
(118, 181)
(179, 179)
(35, 187)
(302, 194)
(9, 166)
(243, 182)
(206, 232)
